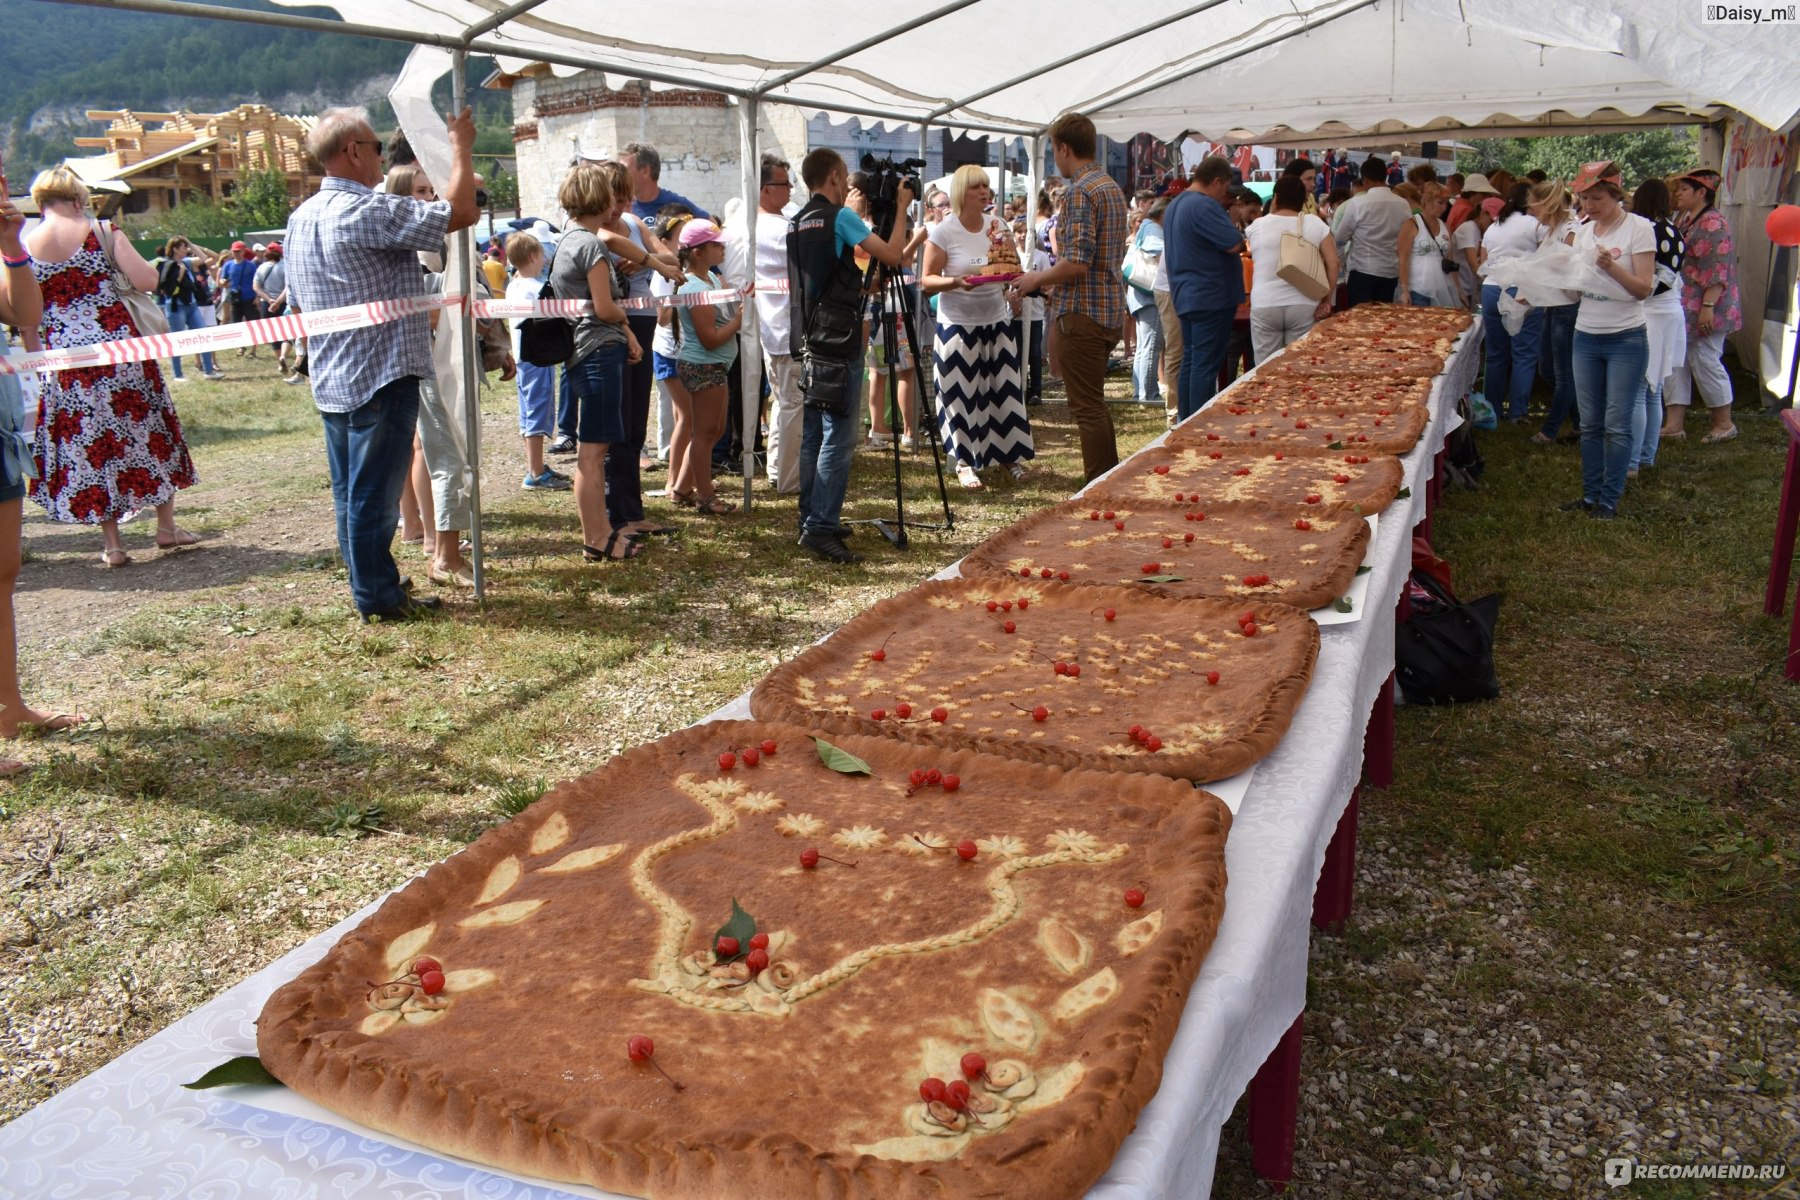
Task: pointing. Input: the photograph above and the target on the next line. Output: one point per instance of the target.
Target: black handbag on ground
(547, 341)
(1444, 651)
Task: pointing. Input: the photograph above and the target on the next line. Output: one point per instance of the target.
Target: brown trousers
(1085, 348)
(1171, 353)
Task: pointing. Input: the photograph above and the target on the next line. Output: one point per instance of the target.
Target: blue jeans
(1149, 348)
(1511, 358)
(1646, 427)
(565, 404)
(369, 450)
(827, 444)
(1609, 381)
(1205, 334)
(1559, 340)
(187, 316)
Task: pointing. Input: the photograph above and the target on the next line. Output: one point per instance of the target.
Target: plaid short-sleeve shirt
(348, 245)
(1091, 229)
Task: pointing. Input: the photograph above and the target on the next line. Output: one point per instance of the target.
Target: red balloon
(1783, 225)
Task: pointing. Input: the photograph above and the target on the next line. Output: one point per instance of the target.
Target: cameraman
(826, 291)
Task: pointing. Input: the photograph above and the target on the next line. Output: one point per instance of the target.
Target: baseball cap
(239, 246)
(259, 247)
(274, 247)
(1592, 173)
(698, 233)
(1492, 206)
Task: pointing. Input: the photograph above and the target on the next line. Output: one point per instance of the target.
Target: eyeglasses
(780, 183)
(363, 142)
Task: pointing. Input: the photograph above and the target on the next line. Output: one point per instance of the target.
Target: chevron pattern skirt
(981, 403)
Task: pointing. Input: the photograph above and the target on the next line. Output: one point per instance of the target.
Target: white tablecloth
(129, 1130)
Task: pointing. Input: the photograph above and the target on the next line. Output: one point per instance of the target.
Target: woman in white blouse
(1428, 274)
(1279, 312)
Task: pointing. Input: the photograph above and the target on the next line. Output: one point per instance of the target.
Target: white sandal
(965, 475)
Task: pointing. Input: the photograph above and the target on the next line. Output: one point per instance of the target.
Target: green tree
(502, 187)
(1641, 154)
(261, 201)
(196, 217)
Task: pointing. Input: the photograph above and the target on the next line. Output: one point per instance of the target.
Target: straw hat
(1478, 185)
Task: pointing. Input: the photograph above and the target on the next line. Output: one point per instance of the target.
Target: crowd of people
(1191, 282)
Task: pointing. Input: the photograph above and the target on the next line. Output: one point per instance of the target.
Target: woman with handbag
(109, 443)
(1279, 311)
(1428, 274)
(181, 291)
(1142, 258)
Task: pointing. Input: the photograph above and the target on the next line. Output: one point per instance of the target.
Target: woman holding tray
(975, 354)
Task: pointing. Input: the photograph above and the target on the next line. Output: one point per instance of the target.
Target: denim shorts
(598, 382)
(697, 377)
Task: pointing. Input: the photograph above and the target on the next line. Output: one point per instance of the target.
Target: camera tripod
(891, 289)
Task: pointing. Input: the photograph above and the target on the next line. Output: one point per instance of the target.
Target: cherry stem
(888, 638)
(928, 845)
(840, 862)
(678, 1086)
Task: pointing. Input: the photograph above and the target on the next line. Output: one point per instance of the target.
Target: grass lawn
(1584, 874)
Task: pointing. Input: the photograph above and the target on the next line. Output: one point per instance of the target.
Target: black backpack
(547, 341)
(1444, 651)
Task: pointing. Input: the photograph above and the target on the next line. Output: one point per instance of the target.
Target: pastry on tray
(1116, 677)
(1227, 473)
(1326, 430)
(718, 967)
(1290, 394)
(1376, 356)
(1239, 552)
(1368, 319)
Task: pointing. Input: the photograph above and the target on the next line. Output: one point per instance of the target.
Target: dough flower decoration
(1076, 841)
(1003, 846)
(799, 825)
(860, 837)
(758, 802)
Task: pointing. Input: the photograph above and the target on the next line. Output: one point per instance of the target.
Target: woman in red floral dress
(109, 443)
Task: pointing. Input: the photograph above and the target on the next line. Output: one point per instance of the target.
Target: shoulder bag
(547, 341)
(1302, 267)
(1139, 269)
(146, 315)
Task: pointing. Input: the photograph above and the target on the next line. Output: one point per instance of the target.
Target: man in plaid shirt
(350, 244)
(1087, 293)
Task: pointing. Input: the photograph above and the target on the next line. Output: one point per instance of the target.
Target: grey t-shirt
(578, 252)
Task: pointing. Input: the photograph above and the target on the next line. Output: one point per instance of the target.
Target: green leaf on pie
(1403, 493)
(1342, 604)
(1158, 579)
(841, 761)
(1357, 509)
(1334, 445)
(1364, 569)
(742, 926)
(244, 1069)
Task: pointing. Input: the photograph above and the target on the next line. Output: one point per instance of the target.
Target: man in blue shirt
(238, 276)
(350, 244)
(644, 165)
(1202, 248)
(832, 422)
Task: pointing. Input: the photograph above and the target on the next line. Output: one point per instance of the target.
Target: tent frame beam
(872, 40)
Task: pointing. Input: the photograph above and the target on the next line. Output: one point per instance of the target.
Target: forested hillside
(65, 59)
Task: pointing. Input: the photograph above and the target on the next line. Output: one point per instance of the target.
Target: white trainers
(881, 441)
(906, 443)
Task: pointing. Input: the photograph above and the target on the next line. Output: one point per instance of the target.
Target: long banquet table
(130, 1131)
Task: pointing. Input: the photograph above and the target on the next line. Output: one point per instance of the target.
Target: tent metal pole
(788, 77)
(1276, 40)
(471, 374)
(495, 20)
(1108, 44)
(749, 338)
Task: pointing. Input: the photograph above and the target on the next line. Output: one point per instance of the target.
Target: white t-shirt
(772, 268)
(664, 342)
(1033, 307)
(1515, 237)
(1267, 289)
(1468, 237)
(521, 288)
(1424, 270)
(965, 253)
(1607, 307)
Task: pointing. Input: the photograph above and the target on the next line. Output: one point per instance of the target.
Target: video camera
(885, 177)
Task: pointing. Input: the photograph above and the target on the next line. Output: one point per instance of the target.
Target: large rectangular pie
(1366, 320)
(1012, 940)
(1113, 677)
(1230, 474)
(1238, 552)
(1380, 355)
(1287, 393)
(1390, 429)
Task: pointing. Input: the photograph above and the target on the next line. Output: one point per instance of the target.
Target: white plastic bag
(1555, 273)
(1512, 313)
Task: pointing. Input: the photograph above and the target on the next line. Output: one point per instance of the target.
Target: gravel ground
(1462, 1042)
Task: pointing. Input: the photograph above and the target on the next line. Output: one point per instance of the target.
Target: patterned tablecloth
(129, 1130)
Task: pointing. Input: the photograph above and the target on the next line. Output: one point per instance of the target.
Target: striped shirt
(352, 245)
(1091, 229)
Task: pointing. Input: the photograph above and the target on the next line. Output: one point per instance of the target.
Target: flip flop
(113, 559)
(1713, 439)
(181, 540)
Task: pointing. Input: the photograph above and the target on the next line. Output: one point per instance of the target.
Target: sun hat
(698, 233)
(1592, 173)
(1478, 185)
(1704, 177)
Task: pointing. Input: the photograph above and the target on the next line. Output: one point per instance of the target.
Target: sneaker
(177, 379)
(563, 445)
(829, 548)
(880, 441)
(1583, 505)
(546, 481)
(295, 378)
(906, 443)
(215, 376)
(1601, 512)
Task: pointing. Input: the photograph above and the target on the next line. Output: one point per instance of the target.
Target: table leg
(1378, 739)
(1337, 879)
(1787, 517)
(1274, 1108)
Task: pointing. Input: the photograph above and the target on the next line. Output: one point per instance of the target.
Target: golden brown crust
(1307, 560)
(529, 1073)
(1377, 356)
(1230, 475)
(1366, 320)
(944, 650)
(1323, 431)
(1283, 394)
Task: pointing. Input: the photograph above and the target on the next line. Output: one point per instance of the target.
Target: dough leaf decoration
(1342, 604)
(841, 761)
(741, 926)
(244, 1069)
